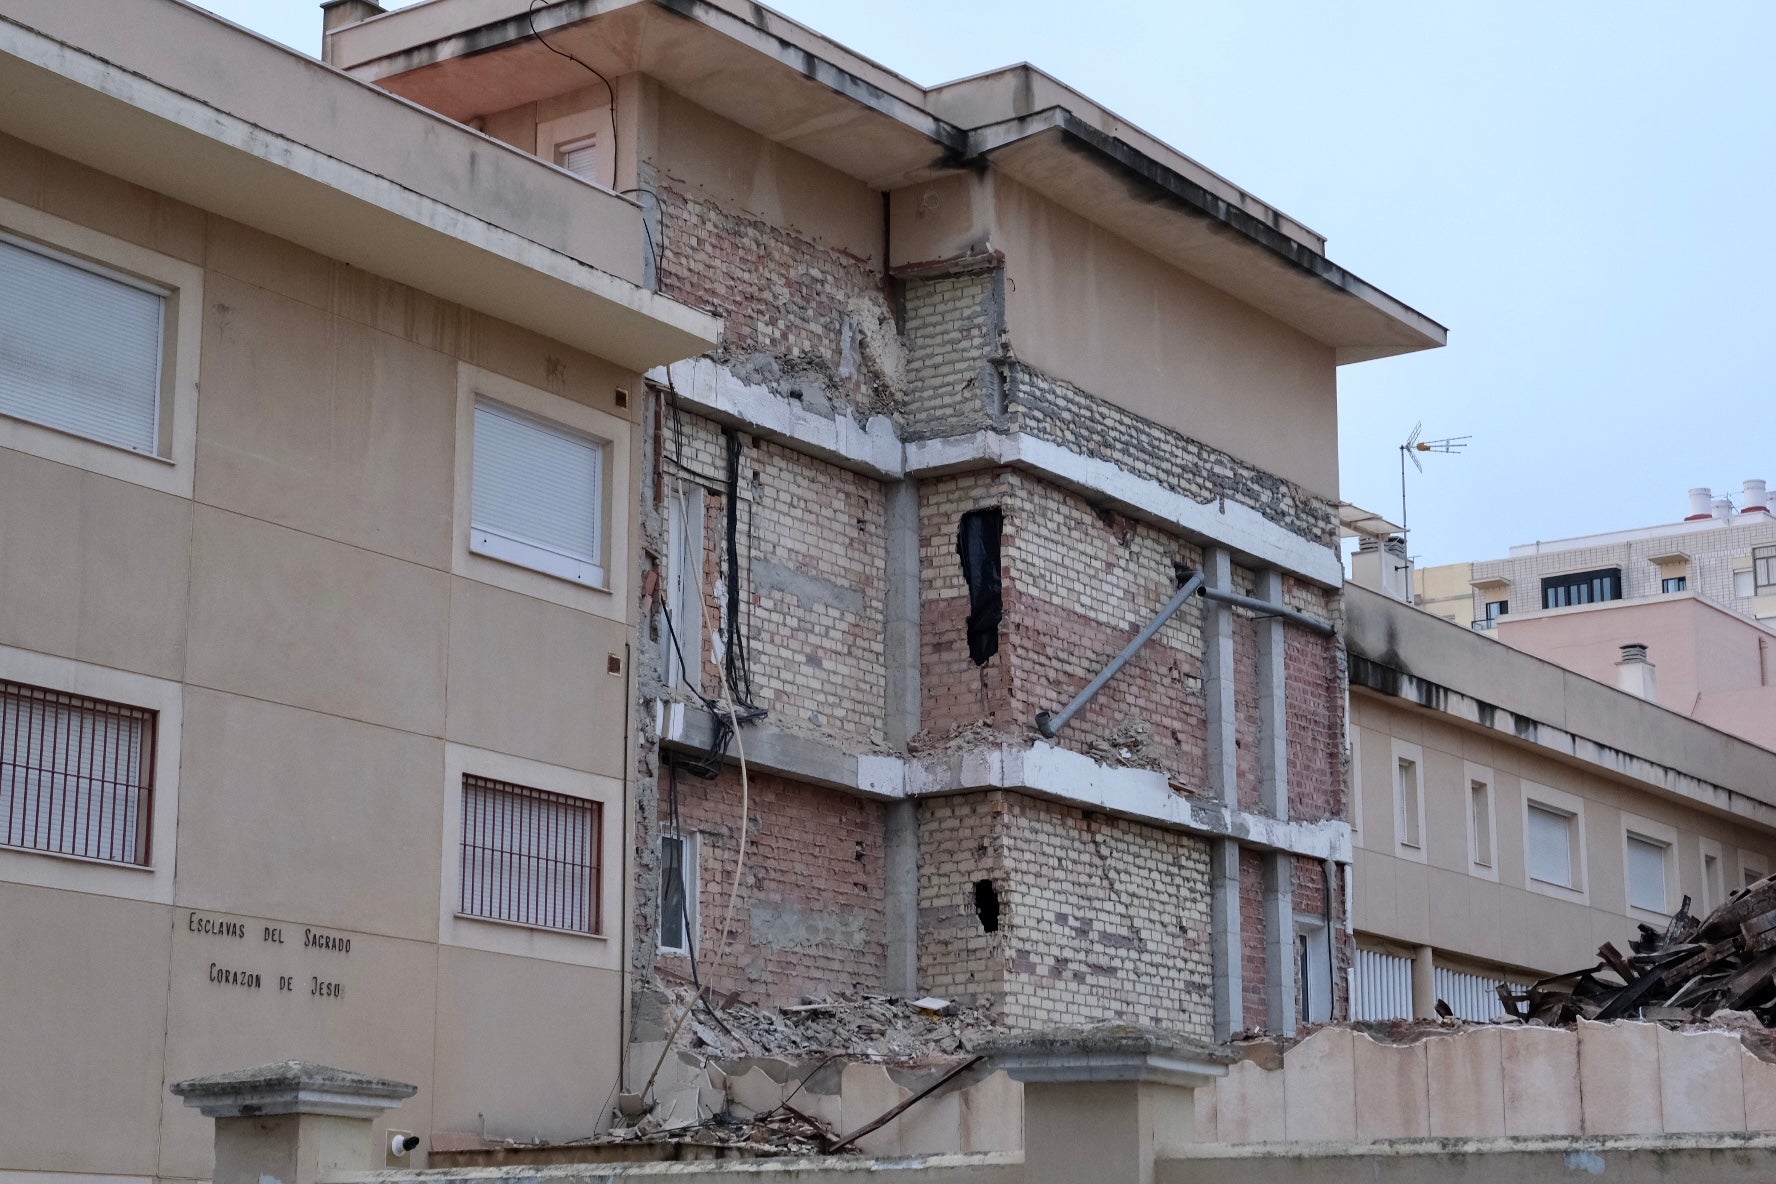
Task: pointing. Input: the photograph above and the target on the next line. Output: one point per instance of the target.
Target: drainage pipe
(1049, 725)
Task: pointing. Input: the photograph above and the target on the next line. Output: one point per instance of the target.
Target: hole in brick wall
(986, 905)
(977, 543)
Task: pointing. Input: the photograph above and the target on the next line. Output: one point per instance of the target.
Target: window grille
(80, 349)
(1383, 985)
(76, 775)
(1472, 997)
(530, 857)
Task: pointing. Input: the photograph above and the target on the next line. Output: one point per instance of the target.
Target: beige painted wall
(335, 662)
(1445, 901)
(1094, 309)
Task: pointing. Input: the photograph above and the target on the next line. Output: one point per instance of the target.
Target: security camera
(400, 1144)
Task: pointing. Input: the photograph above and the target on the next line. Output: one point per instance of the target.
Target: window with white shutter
(538, 494)
(579, 157)
(530, 857)
(80, 347)
(76, 775)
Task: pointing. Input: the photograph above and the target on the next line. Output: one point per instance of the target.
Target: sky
(1580, 191)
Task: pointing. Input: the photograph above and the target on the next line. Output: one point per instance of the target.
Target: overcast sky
(1581, 191)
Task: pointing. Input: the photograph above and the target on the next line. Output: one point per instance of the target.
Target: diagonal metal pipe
(1049, 725)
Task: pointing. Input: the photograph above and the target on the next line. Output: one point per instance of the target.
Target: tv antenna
(1414, 446)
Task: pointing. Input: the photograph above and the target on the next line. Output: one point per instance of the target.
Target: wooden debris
(1683, 973)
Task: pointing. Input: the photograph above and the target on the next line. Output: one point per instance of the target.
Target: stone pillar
(1101, 1104)
(292, 1122)
(1424, 984)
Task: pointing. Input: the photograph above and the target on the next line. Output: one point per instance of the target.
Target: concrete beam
(1039, 769)
(711, 389)
(1280, 991)
(1273, 701)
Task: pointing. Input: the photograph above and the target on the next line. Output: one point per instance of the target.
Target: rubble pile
(853, 1027)
(1725, 962)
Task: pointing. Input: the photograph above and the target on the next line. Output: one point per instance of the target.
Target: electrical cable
(721, 951)
(530, 17)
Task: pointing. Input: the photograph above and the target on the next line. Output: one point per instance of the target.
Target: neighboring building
(1694, 600)
(294, 697)
(1726, 555)
(1510, 815)
(999, 371)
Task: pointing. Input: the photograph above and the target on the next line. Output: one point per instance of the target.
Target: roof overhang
(1107, 181)
(81, 106)
(767, 73)
(782, 80)
(1354, 522)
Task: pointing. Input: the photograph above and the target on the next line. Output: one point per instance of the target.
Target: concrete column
(900, 722)
(1424, 984)
(1273, 703)
(1102, 1107)
(292, 1122)
(1224, 938)
(1218, 676)
(900, 872)
(336, 14)
(1280, 994)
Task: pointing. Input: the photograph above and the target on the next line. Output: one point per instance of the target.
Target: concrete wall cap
(1108, 1052)
(291, 1087)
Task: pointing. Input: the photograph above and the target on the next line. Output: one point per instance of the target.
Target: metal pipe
(1049, 725)
(1274, 610)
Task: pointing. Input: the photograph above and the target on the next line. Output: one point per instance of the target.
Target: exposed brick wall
(1100, 918)
(1062, 413)
(795, 313)
(810, 916)
(1078, 585)
(953, 330)
(1311, 900)
(961, 841)
(1251, 946)
(813, 563)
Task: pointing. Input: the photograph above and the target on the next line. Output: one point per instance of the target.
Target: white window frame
(1752, 867)
(457, 928)
(609, 599)
(1403, 750)
(693, 854)
(683, 587)
(1744, 582)
(1714, 888)
(589, 571)
(1558, 802)
(170, 469)
(1472, 775)
(1314, 980)
(1665, 837)
(152, 881)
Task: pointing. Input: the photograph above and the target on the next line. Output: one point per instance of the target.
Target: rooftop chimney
(337, 14)
(1699, 499)
(1757, 498)
(1635, 674)
(1723, 508)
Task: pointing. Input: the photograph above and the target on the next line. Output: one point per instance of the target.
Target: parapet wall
(1344, 1086)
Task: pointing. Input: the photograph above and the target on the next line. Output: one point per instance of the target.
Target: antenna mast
(1414, 446)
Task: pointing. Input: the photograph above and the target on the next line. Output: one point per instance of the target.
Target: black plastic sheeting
(977, 542)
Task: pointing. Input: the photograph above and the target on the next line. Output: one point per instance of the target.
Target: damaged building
(1000, 376)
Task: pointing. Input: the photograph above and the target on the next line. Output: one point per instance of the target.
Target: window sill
(538, 559)
(88, 860)
(478, 919)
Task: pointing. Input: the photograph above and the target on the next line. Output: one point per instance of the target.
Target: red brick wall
(809, 917)
(1252, 928)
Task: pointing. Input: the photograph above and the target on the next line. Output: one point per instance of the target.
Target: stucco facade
(1455, 741)
(288, 589)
